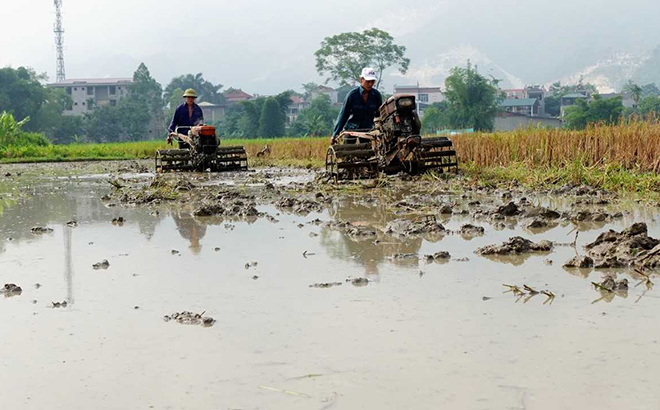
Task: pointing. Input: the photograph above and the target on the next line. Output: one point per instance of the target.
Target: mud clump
(41, 229)
(543, 213)
(354, 232)
(406, 227)
(582, 262)
(104, 264)
(118, 221)
(515, 246)
(438, 256)
(537, 224)
(588, 216)
(190, 318)
(325, 285)
(358, 281)
(610, 284)
(471, 230)
(402, 256)
(11, 289)
(299, 206)
(631, 246)
(510, 209)
(237, 209)
(57, 305)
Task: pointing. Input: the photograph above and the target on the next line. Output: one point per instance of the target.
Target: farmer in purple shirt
(186, 116)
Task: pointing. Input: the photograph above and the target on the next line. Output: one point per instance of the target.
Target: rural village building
(509, 121)
(300, 103)
(235, 95)
(90, 92)
(569, 100)
(424, 96)
(212, 112)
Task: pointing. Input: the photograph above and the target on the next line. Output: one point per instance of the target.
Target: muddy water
(419, 335)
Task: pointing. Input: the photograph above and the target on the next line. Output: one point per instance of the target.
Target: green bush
(11, 132)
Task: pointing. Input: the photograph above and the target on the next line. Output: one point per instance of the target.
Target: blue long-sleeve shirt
(355, 114)
(182, 119)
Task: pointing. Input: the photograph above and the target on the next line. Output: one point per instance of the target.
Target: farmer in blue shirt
(361, 105)
(186, 116)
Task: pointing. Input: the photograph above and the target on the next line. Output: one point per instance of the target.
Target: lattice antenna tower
(59, 42)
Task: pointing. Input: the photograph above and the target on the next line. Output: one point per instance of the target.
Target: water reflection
(190, 229)
(369, 253)
(68, 264)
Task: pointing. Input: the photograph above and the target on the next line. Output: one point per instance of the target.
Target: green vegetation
(343, 56)
(206, 90)
(23, 95)
(557, 91)
(270, 124)
(600, 110)
(435, 118)
(12, 134)
(317, 120)
(610, 177)
(246, 119)
(472, 99)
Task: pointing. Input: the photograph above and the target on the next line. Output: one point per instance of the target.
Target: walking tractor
(199, 151)
(392, 146)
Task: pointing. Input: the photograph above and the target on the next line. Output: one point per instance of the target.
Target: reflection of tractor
(200, 150)
(393, 145)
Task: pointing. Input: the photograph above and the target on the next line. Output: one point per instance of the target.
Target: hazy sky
(267, 46)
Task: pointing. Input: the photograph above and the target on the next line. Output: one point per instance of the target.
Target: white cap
(368, 74)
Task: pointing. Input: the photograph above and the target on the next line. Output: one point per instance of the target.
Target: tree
(250, 117)
(343, 56)
(435, 118)
(472, 99)
(271, 124)
(650, 90)
(309, 89)
(634, 90)
(600, 110)
(138, 116)
(143, 106)
(104, 124)
(22, 94)
(649, 106)
(343, 91)
(206, 90)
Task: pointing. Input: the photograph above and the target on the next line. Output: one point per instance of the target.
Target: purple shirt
(182, 119)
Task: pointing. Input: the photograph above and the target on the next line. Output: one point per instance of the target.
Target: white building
(425, 96)
(322, 89)
(91, 92)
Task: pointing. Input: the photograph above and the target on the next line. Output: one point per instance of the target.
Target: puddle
(441, 334)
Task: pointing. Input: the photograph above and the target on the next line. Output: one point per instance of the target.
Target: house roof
(237, 94)
(518, 102)
(92, 81)
(574, 95)
(295, 99)
(325, 88)
(206, 104)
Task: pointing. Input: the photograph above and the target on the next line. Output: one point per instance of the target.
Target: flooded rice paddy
(294, 324)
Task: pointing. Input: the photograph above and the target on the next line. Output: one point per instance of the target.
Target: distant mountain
(608, 74)
(612, 73)
(435, 70)
(649, 72)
